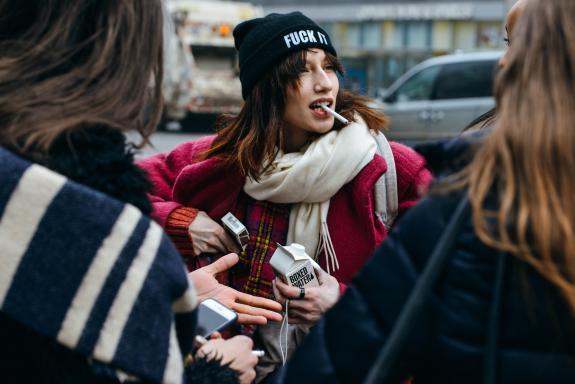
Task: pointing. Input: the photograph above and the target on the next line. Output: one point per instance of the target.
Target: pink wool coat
(181, 179)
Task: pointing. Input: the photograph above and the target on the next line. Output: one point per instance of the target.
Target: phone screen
(213, 316)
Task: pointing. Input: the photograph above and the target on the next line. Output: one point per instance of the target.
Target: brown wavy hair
(530, 155)
(69, 64)
(252, 138)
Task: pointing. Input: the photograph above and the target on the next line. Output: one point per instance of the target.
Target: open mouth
(316, 106)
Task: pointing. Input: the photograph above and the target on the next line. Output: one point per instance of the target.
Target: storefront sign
(437, 11)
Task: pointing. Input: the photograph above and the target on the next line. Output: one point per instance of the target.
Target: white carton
(236, 229)
(294, 266)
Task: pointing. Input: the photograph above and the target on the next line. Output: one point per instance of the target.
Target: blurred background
(378, 41)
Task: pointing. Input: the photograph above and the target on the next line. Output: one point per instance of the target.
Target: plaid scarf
(91, 273)
(267, 224)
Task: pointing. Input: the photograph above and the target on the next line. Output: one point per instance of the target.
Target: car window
(419, 86)
(465, 80)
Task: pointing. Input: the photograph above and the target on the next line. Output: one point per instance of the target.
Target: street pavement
(162, 141)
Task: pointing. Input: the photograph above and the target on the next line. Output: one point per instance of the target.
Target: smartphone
(213, 316)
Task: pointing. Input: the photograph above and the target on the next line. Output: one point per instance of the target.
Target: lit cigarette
(335, 114)
(258, 352)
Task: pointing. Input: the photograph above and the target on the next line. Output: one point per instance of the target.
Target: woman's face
(303, 116)
(512, 17)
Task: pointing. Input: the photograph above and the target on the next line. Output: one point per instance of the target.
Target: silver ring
(301, 292)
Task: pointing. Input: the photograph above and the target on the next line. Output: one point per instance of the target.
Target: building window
(388, 30)
(465, 35)
(489, 35)
(393, 35)
(353, 35)
(371, 35)
(399, 35)
(442, 36)
(339, 36)
(418, 35)
(395, 66)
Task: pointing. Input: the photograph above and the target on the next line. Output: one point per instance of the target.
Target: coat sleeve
(413, 177)
(163, 170)
(343, 346)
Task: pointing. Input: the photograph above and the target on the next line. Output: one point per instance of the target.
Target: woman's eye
(506, 40)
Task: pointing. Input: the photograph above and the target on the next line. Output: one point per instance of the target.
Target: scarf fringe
(326, 245)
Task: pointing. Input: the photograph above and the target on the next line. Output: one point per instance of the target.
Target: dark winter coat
(537, 330)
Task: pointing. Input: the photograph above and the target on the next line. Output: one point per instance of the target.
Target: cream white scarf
(310, 178)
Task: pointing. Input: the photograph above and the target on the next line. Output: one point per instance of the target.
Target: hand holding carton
(295, 266)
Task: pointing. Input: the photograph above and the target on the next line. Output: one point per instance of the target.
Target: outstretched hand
(250, 309)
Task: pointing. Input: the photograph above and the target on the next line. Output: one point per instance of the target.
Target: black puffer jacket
(537, 331)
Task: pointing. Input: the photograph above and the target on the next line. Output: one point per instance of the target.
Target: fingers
(216, 243)
(222, 264)
(277, 294)
(228, 242)
(287, 291)
(211, 244)
(215, 335)
(304, 305)
(245, 361)
(236, 352)
(246, 319)
(248, 377)
(259, 302)
(254, 311)
(210, 237)
(222, 241)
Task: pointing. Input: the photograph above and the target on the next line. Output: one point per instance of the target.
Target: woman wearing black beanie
(291, 172)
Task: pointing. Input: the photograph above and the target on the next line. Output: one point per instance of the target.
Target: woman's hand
(250, 309)
(314, 304)
(210, 237)
(237, 351)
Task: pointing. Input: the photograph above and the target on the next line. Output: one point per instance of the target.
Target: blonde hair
(529, 158)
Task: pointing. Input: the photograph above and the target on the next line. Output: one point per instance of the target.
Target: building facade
(378, 40)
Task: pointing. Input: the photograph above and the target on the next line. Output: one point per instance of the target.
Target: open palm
(250, 309)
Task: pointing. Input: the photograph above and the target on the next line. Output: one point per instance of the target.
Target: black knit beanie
(264, 41)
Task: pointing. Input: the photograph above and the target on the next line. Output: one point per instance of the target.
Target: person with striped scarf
(91, 289)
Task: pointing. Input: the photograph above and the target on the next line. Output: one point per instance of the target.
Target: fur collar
(98, 157)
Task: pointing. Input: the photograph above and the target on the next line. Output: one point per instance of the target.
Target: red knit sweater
(181, 180)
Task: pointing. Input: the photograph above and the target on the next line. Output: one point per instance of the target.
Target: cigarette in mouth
(258, 353)
(335, 114)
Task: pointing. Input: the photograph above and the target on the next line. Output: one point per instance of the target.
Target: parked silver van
(440, 96)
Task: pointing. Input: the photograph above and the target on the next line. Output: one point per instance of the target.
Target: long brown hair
(251, 139)
(530, 155)
(69, 64)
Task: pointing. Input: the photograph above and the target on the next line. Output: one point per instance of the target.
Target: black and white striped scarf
(92, 273)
